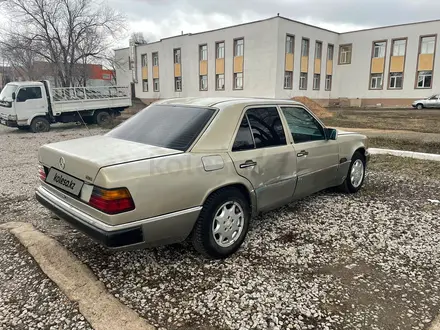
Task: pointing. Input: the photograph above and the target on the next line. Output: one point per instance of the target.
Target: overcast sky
(163, 18)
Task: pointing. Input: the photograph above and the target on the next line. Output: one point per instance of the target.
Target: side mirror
(13, 96)
(331, 134)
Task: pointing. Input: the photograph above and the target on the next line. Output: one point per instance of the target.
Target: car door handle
(248, 163)
(302, 153)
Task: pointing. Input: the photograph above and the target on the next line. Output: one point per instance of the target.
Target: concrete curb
(401, 153)
(101, 309)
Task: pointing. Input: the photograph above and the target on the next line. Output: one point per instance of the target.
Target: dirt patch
(314, 107)
(427, 121)
(406, 166)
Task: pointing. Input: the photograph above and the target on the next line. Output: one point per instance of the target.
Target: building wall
(123, 74)
(265, 63)
(300, 31)
(259, 62)
(353, 80)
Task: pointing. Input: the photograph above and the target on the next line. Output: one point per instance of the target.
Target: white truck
(35, 105)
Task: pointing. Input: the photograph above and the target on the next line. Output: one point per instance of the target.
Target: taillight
(41, 173)
(111, 201)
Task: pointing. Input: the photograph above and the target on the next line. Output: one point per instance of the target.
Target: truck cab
(21, 102)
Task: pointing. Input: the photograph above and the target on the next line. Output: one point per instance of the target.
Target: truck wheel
(39, 125)
(103, 118)
(222, 224)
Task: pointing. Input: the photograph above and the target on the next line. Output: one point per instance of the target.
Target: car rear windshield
(173, 127)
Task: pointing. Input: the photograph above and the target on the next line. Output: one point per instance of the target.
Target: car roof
(223, 102)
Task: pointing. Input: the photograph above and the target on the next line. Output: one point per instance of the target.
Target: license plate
(3, 121)
(64, 181)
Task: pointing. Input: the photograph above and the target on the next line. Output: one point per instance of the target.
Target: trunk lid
(84, 157)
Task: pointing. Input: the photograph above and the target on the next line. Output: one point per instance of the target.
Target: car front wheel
(222, 224)
(419, 106)
(356, 174)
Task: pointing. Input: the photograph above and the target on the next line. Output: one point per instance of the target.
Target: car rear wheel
(356, 174)
(419, 106)
(39, 125)
(222, 224)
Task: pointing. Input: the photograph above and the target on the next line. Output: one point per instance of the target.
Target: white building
(282, 58)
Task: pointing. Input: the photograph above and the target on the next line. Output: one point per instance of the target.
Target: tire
(39, 125)
(419, 106)
(352, 184)
(203, 236)
(103, 118)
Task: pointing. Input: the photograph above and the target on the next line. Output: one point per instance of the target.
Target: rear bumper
(165, 229)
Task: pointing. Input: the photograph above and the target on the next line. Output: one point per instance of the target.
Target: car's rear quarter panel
(168, 184)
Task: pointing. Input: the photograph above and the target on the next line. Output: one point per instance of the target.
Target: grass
(406, 166)
(426, 121)
(432, 147)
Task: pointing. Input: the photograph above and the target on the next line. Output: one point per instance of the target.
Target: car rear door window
(168, 126)
(267, 128)
(303, 126)
(243, 140)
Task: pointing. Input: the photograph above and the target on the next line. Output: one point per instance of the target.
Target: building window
(316, 81)
(328, 82)
(238, 80)
(145, 85)
(177, 56)
(379, 49)
(305, 47)
(238, 47)
(345, 54)
(156, 84)
(428, 45)
(203, 52)
(204, 83)
(289, 44)
(303, 80)
(376, 81)
(220, 50)
(424, 79)
(178, 84)
(330, 51)
(396, 79)
(155, 59)
(220, 82)
(399, 47)
(318, 50)
(144, 60)
(288, 75)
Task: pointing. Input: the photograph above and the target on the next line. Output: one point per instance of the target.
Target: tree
(66, 33)
(138, 38)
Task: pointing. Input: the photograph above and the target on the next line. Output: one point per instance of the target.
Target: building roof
(284, 18)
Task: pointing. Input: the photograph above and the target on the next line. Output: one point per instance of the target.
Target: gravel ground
(330, 261)
(28, 299)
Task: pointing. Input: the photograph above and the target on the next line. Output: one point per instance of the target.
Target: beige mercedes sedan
(197, 169)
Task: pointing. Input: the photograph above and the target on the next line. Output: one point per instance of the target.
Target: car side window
(303, 126)
(243, 140)
(29, 93)
(267, 128)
